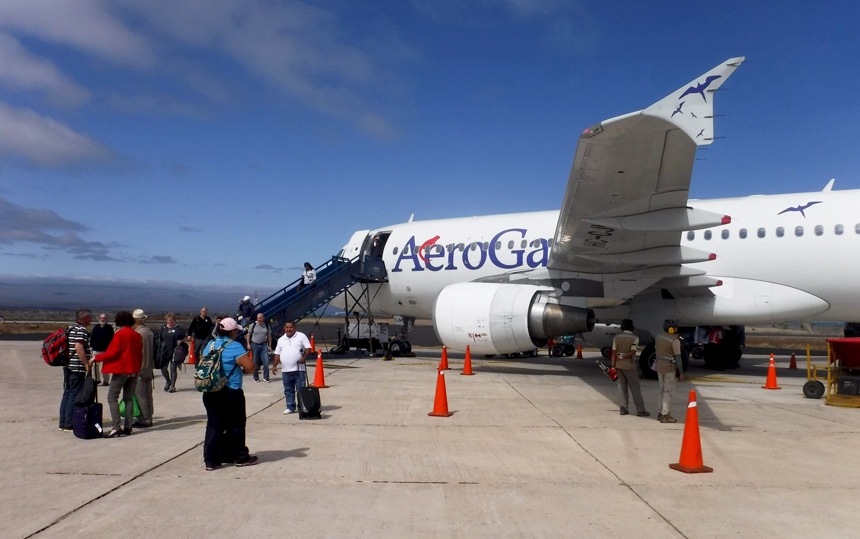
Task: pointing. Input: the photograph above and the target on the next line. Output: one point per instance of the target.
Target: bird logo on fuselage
(800, 208)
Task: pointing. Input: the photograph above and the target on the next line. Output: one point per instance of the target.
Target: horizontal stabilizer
(668, 220)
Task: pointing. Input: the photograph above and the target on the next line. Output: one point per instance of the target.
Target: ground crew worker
(667, 360)
(624, 347)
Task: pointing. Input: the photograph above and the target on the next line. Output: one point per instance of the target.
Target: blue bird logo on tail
(800, 208)
(700, 88)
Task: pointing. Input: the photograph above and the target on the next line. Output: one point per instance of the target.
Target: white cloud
(23, 71)
(44, 141)
(87, 25)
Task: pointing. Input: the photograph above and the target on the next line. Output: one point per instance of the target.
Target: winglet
(829, 185)
(691, 107)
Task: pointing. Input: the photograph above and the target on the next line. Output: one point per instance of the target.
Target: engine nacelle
(496, 318)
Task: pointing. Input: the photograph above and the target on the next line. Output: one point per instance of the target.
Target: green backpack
(209, 374)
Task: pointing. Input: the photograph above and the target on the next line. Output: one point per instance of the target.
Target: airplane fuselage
(778, 239)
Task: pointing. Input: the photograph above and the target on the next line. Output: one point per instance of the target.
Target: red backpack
(55, 348)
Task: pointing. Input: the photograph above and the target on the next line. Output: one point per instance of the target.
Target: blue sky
(225, 142)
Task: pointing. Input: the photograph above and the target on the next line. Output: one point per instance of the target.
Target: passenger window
(707, 234)
(511, 244)
(838, 230)
(524, 244)
(440, 249)
(499, 245)
(461, 247)
(761, 232)
(485, 246)
(742, 233)
(473, 246)
(549, 242)
(725, 233)
(798, 231)
(780, 232)
(819, 230)
(395, 250)
(691, 235)
(450, 247)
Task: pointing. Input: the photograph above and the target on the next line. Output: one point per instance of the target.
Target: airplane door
(372, 266)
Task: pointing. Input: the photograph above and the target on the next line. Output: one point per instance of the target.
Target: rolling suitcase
(309, 403)
(87, 419)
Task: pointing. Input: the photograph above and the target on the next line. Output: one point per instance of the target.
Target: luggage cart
(843, 372)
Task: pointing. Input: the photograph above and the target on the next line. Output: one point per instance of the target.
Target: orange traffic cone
(313, 344)
(579, 352)
(443, 364)
(319, 373)
(691, 447)
(793, 363)
(771, 376)
(191, 352)
(467, 366)
(440, 404)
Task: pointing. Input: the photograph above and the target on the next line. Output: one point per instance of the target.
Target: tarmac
(535, 448)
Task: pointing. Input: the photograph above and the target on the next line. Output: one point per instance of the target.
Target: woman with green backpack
(225, 408)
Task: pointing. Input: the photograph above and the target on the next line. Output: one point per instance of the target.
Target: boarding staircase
(333, 277)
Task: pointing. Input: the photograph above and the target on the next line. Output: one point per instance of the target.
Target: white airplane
(627, 243)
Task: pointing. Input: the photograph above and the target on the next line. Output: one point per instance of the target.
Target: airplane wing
(626, 201)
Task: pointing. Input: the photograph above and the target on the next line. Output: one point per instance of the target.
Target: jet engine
(497, 318)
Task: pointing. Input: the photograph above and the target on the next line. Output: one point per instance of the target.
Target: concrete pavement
(535, 448)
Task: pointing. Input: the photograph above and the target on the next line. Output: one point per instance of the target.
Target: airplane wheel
(407, 347)
(646, 359)
(813, 389)
(606, 352)
(533, 352)
(396, 348)
(569, 350)
(556, 351)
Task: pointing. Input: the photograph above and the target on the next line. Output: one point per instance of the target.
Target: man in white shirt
(292, 350)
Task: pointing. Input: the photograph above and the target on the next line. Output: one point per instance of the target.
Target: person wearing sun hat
(143, 389)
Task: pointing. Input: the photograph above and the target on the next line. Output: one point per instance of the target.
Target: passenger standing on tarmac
(99, 340)
(201, 330)
(122, 359)
(259, 341)
(143, 389)
(79, 364)
(170, 336)
(225, 409)
(292, 349)
(624, 348)
(667, 360)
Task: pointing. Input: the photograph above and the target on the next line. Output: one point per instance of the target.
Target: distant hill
(53, 294)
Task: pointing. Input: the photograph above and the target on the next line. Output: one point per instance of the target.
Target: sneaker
(257, 380)
(624, 411)
(266, 380)
(252, 459)
(213, 467)
(288, 411)
(643, 414)
(172, 390)
(668, 419)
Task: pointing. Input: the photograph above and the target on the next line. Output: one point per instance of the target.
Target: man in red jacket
(122, 360)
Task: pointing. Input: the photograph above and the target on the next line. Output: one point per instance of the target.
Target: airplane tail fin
(691, 107)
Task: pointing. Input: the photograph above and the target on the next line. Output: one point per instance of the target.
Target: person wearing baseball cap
(143, 389)
(225, 409)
